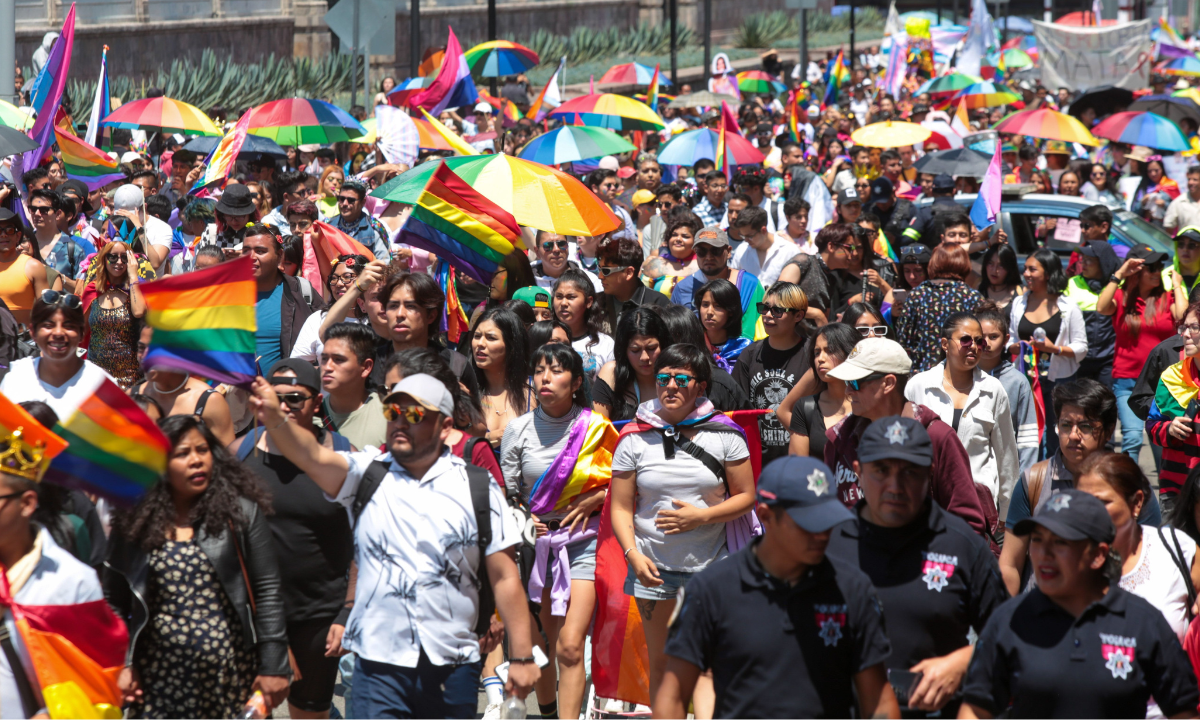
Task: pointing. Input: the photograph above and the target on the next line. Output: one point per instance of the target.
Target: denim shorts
(582, 556)
(672, 582)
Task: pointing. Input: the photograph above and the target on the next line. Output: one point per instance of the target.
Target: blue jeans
(1131, 425)
(426, 691)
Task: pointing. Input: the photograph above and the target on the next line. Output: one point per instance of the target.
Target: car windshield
(1141, 231)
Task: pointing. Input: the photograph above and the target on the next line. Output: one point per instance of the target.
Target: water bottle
(256, 707)
(1039, 334)
(513, 707)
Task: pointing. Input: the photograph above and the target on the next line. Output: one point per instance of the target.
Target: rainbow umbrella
(986, 94)
(300, 121)
(1013, 59)
(662, 97)
(1142, 128)
(497, 58)
(615, 112)
(632, 74)
(1191, 94)
(1028, 43)
(701, 144)
(13, 117)
(757, 81)
(571, 143)
(165, 115)
(889, 134)
(538, 196)
(1048, 125)
(1183, 67)
(947, 85)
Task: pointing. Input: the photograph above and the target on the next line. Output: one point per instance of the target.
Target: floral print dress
(193, 661)
(919, 330)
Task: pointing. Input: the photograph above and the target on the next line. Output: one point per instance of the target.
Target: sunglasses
(1187, 245)
(681, 380)
(349, 199)
(872, 330)
(606, 271)
(849, 248)
(294, 399)
(413, 414)
(772, 310)
(61, 299)
(967, 341)
(857, 385)
(913, 250)
(41, 209)
(549, 245)
(114, 259)
(706, 250)
(1086, 225)
(10, 230)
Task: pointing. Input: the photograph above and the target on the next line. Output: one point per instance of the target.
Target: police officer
(1077, 645)
(895, 214)
(936, 576)
(922, 228)
(786, 631)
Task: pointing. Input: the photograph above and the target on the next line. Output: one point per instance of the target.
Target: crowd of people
(845, 481)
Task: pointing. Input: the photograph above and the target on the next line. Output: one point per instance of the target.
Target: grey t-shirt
(529, 446)
(684, 478)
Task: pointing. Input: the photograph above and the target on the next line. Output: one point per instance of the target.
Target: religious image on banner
(723, 80)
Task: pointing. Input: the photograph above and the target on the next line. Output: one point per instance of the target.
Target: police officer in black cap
(922, 227)
(786, 630)
(936, 576)
(1077, 645)
(894, 213)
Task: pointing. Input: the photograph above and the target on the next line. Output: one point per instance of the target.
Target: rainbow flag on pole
(652, 92)
(101, 105)
(204, 322)
(114, 449)
(220, 162)
(85, 163)
(836, 75)
(549, 97)
(453, 86)
(457, 223)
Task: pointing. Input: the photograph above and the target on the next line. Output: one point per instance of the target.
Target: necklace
(160, 391)
(487, 403)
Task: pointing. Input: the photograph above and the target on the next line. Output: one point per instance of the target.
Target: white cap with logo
(873, 355)
(428, 391)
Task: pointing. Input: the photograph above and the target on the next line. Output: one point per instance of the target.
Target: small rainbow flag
(652, 91)
(883, 248)
(835, 76)
(115, 449)
(454, 318)
(85, 163)
(548, 98)
(204, 322)
(457, 223)
(221, 161)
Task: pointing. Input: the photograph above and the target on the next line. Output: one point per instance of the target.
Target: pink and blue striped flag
(53, 78)
(221, 161)
(987, 202)
(453, 86)
(893, 79)
(101, 105)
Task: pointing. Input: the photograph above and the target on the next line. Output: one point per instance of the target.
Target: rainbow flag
(1027, 363)
(322, 247)
(652, 91)
(883, 248)
(222, 160)
(457, 223)
(101, 104)
(47, 91)
(548, 98)
(453, 86)
(454, 318)
(584, 464)
(204, 322)
(836, 75)
(85, 163)
(452, 139)
(115, 449)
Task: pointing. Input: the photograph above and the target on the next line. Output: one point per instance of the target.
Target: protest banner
(1080, 58)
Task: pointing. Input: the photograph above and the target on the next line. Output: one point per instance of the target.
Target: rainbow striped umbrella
(1142, 128)
(701, 144)
(1191, 94)
(14, 117)
(571, 143)
(757, 81)
(301, 121)
(165, 115)
(947, 85)
(615, 112)
(986, 94)
(537, 196)
(497, 58)
(632, 74)
(1013, 59)
(1048, 125)
(1183, 67)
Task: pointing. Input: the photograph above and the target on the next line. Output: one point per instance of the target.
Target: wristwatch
(1114, 279)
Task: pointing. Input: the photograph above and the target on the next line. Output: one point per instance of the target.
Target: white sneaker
(492, 712)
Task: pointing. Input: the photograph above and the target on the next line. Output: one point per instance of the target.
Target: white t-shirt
(308, 343)
(159, 233)
(778, 255)
(595, 356)
(22, 384)
(1157, 579)
(683, 478)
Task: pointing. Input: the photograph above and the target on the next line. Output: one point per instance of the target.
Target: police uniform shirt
(936, 577)
(775, 649)
(1034, 655)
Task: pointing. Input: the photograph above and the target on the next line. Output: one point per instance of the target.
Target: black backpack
(480, 481)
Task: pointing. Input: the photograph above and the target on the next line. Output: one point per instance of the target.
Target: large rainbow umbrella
(537, 196)
(301, 121)
(162, 114)
(1142, 128)
(615, 112)
(1191, 93)
(1182, 67)
(889, 134)
(1014, 59)
(757, 81)
(1028, 43)
(947, 85)
(688, 147)
(497, 58)
(632, 74)
(986, 94)
(1048, 125)
(572, 143)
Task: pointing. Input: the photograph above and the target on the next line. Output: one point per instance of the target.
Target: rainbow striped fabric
(114, 449)
(584, 464)
(220, 162)
(85, 163)
(452, 139)
(204, 322)
(15, 419)
(835, 76)
(457, 223)
(652, 91)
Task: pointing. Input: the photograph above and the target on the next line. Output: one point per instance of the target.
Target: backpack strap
(202, 403)
(306, 290)
(1034, 483)
(371, 479)
(248, 442)
(480, 481)
(28, 700)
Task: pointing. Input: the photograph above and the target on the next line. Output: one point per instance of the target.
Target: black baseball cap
(306, 375)
(943, 181)
(881, 189)
(847, 196)
(896, 438)
(807, 489)
(1142, 251)
(1072, 515)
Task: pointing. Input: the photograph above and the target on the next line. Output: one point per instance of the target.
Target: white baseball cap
(483, 108)
(128, 197)
(873, 355)
(131, 156)
(428, 391)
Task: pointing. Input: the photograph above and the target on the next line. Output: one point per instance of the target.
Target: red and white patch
(831, 619)
(937, 570)
(1118, 653)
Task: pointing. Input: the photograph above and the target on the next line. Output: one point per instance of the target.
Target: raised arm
(326, 468)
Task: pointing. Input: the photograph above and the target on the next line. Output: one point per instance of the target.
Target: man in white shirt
(553, 253)
(1184, 211)
(764, 253)
(131, 203)
(422, 556)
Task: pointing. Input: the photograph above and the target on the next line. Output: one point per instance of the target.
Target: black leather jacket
(127, 569)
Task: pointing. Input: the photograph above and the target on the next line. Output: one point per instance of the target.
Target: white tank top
(1158, 580)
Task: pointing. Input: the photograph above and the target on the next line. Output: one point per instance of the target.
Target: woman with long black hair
(1001, 279)
(622, 383)
(575, 303)
(177, 573)
(719, 307)
(499, 354)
